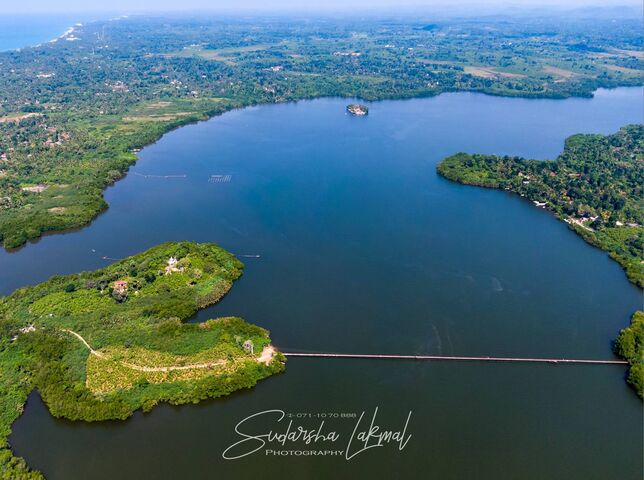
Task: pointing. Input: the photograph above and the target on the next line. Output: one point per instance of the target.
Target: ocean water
(19, 31)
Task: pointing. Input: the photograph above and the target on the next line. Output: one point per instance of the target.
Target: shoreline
(208, 115)
(68, 30)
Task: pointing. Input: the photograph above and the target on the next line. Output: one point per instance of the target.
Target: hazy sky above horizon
(64, 6)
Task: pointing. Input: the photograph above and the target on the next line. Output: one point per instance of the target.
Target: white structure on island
(249, 347)
(171, 266)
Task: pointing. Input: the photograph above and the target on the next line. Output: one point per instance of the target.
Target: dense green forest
(100, 345)
(73, 112)
(596, 187)
(630, 345)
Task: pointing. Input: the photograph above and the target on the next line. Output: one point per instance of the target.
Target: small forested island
(100, 345)
(357, 109)
(595, 186)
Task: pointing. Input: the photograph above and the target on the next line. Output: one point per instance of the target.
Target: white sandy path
(266, 356)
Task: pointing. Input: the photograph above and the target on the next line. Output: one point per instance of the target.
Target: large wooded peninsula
(596, 187)
(74, 111)
(100, 345)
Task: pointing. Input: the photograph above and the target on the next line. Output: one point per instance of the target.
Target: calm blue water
(364, 248)
(19, 31)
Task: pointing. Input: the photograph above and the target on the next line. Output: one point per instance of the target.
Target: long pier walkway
(455, 358)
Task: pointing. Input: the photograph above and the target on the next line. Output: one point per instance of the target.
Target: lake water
(363, 248)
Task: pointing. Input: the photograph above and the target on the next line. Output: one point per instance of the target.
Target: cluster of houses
(581, 221)
(60, 137)
(346, 54)
(178, 84)
(620, 224)
(118, 86)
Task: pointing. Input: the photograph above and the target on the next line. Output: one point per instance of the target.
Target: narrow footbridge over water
(455, 358)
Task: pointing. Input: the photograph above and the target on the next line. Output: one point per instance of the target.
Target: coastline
(67, 32)
(17, 41)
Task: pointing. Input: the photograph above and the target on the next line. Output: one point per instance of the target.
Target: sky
(134, 6)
